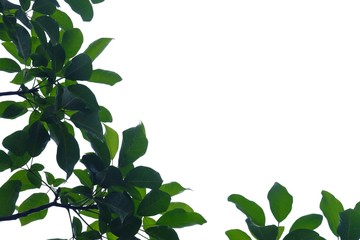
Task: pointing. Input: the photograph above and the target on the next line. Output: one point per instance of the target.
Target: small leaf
(39, 138)
(105, 77)
(68, 154)
(83, 8)
(34, 201)
(72, 41)
(311, 221)
(9, 65)
(134, 145)
(5, 161)
(112, 140)
(173, 188)
(79, 68)
(237, 234)
(97, 47)
(88, 121)
(9, 193)
(162, 233)
(154, 202)
(349, 227)
(302, 234)
(51, 27)
(331, 207)
(179, 218)
(144, 177)
(280, 202)
(17, 142)
(249, 208)
(105, 115)
(262, 232)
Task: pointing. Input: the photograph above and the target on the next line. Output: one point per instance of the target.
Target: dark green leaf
(154, 202)
(57, 56)
(9, 65)
(34, 178)
(79, 68)
(83, 8)
(101, 149)
(68, 154)
(76, 226)
(93, 163)
(134, 145)
(97, 47)
(179, 218)
(331, 207)
(280, 202)
(144, 177)
(172, 188)
(62, 19)
(22, 42)
(78, 97)
(5, 162)
(311, 221)
(262, 232)
(349, 227)
(11, 109)
(18, 161)
(40, 33)
(22, 77)
(37, 167)
(39, 138)
(112, 140)
(105, 77)
(97, 1)
(249, 208)
(162, 233)
(88, 121)
(49, 178)
(302, 234)
(17, 142)
(21, 15)
(127, 228)
(120, 204)
(35, 200)
(51, 27)
(105, 115)
(22, 176)
(237, 234)
(83, 177)
(45, 6)
(9, 193)
(25, 4)
(72, 41)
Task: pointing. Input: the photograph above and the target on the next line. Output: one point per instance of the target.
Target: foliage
(344, 224)
(115, 199)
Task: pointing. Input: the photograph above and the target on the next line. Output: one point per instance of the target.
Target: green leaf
(22, 176)
(72, 41)
(89, 121)
(302, 234)
(62, 19)
(280, 202)
(172, 188)
(349, 227)
(83, 8)
(21, 15)
(111, 176)
(57, 56)
(101, 149)
(154, 202)
(79, 68)
(237, 234)
(262, 232)
(9, 193)
(11, 109)
(9, 65)
(331, 207)
(105, 115)
(49, 178)
(22, 42)
(37, 167)
(148, 222)
(105, 77)
(51, 27)
(144, 177)
(112, 140)
(5, 161)
(97, 47)
(78, 97)
(76, 226)
(39, 138)
(17, 142)
(25, 4)
(162, 233)
(97, 1)
(34, 201)
(18, 161)
(175, 205)
(45, 6)
(68, 154)
(126, 229)
(13, 50)
(179, 218)
(134, 145)
(249, 208)
(119, 203)
(311, 221)
(83, 177)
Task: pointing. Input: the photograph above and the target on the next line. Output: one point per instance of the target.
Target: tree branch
(19, 93)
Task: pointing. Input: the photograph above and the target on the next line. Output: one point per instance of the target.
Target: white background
(234, 95)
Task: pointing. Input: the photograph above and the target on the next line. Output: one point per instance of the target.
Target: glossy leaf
(262, 232)
(79, 68)
(134, 145)
(38, 137)
(349, 227)
(154, 202)
(68, 154)
(51, 27)
(179, 218)
(97, 47)
(89, 121)
(311, 222)
(11, 109)
(5, 161)
(237, 234)
(280, 202)
(331, 207)
(144, 177)
(9, 193)
(249, 208)
(302, 234)
(17, 142)
(105, 77)
(173, 188)
(34, 201)
(9, 65)
(72, 41)
(112, 140)
(162, 233)
(83, 8)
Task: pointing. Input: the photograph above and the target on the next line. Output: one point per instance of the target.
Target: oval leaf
(39, 138)
(179, 218)
(105, 77)
(249, 208)
(154, 202)
(11, 109)
(72, 41)
(280, 202)
(112, 140)
(262, 232)
(349, 227)
(9, 65)
(34, 201)
(144, 177)
(237, 234)
(302, 234)
(311, 221)
(83, 8)
(89, 121)
(50, 26)
(162, 233)
(97, 47)
(331, 208)
(9, 193)
(17, 142)
(68, 154)
(79, 68)
(173, 188)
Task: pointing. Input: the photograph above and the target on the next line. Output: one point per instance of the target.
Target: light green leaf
(105, 77)
(173, 188)
(34, 201)
(79, 68)
(112, 140)
(97, 47)
(311, 221)
(105, 115)
(68, 154)
(154, 202)
(144, 177)
(83, 177)
(162, 233)
(237, 234)
(175, 205)
(179, 218)
(280, 202)
(72, 41)
(349, 227)
(83, 8)
(331, 208)
(9, 65)
(9, 193)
